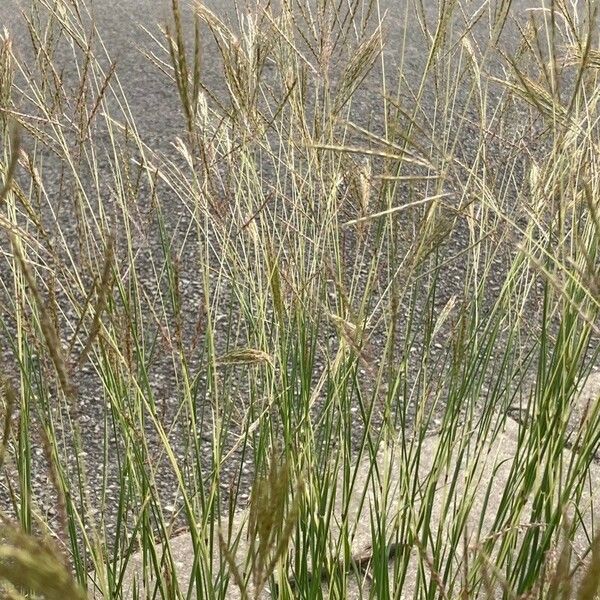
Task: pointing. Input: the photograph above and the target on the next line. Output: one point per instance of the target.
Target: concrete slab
(459, 494)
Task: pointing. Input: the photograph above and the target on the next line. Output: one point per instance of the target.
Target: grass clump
(380, 261)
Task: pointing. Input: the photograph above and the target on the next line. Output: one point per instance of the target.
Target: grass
(288, 287)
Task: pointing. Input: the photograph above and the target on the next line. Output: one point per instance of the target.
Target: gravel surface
(156, 109)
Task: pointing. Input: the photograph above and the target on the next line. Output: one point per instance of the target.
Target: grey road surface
(121, 25)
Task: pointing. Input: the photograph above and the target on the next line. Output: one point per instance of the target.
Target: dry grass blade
(592, 58)
(6, 74)
(103, 88)
(244, 56)
(276, 285)
(396, 209)
(12, 165)
(104, 289)
(267, 507)
(244, 356)
(46, 324)
(433, 571)
(560, 586)
(233, 567)
(269, 530)
(536, 95)
(357, 69)
(402, 156)
(28, 564)
(10, 401)
(187, 80)
(590, 584)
